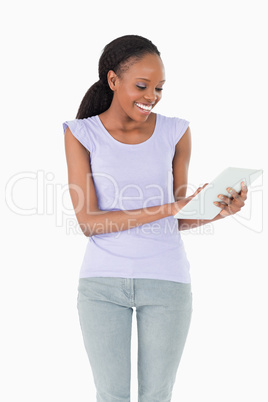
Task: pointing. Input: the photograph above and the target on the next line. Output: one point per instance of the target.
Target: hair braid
(116, 56)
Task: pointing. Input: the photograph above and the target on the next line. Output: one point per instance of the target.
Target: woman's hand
(178, 205)
(230, 206)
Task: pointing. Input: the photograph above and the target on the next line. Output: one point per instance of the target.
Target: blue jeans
(163, 312)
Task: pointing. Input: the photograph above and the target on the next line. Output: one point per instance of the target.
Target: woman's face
(139, 88)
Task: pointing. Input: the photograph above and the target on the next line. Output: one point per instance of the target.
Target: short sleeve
(180, 128)
(78, 129)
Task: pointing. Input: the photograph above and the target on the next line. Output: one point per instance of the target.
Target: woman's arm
(228, 206)
(186, 224)
(181, 162)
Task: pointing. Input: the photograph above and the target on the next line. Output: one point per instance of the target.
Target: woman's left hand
(230, 206)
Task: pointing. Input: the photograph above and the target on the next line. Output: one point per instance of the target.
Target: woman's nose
(151, 96)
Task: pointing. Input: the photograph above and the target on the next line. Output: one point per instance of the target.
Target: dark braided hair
(117, 55)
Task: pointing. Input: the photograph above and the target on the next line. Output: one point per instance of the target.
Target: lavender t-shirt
(128, 177)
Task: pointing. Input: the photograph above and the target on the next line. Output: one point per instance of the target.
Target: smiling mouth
(142, 106)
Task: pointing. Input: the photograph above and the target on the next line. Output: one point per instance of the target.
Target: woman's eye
(140, 87)
(144, 87)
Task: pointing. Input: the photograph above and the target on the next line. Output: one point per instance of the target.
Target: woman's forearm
(187, 224)
(99, 222)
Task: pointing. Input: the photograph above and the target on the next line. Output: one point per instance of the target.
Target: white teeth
(144, 107)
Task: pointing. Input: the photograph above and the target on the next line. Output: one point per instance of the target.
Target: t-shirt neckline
(129, 145)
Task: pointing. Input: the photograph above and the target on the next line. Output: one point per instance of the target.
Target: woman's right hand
(178, 205)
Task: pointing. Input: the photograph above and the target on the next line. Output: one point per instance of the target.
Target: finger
(244, 191)
(196, 191)
(222, 206)
(225, 199)
(199, 189)
(238, 201)
(233, 193)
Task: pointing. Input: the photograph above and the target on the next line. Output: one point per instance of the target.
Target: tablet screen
(202, 207)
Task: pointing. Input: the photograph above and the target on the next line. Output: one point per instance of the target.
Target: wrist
(171, 209)
(217, 217)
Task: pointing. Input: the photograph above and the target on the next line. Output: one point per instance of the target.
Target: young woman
(127, 173)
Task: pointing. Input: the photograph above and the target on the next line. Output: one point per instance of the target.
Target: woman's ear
(112, 80)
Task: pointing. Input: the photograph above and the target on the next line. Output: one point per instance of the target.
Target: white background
(215, 54)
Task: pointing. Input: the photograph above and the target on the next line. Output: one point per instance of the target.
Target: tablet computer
(202, 207)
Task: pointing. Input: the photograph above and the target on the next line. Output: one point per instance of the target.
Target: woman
(127, 171)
